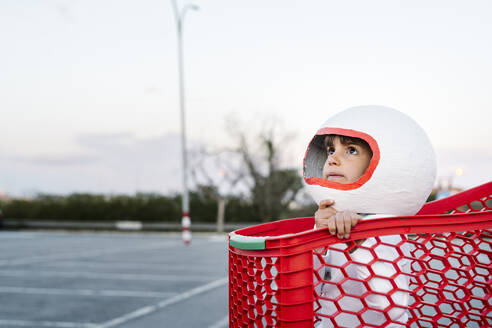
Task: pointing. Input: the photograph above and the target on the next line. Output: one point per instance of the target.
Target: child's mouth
(335, 176)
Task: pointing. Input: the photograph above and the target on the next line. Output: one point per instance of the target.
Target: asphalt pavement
(102, 280)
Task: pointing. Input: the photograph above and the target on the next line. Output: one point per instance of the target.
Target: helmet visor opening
(316, 156)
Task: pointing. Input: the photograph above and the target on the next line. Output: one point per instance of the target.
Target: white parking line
(83, 292)
(16, 235)
(91, 253)
(53, 324)
(97, 263)
(152, 308)
(218, 238)
(224, 322)
(101, 275)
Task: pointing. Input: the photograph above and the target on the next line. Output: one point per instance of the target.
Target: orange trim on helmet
(367, 174)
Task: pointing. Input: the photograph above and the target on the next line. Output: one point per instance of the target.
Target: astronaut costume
(397, 182)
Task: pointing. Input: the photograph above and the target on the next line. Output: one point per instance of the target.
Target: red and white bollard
(185, 226)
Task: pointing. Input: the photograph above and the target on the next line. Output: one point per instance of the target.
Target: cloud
(125, 163)
(107, 163)
(56, 159)
(114, 147)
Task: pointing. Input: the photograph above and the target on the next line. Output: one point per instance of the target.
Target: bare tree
(216, 176)
(272, 187)
(252, 166)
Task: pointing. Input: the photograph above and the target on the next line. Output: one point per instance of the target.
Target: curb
(124, 225)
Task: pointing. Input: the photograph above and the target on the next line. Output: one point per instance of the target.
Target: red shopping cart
(274, 268)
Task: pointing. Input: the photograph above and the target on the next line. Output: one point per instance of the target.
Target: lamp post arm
(185, 9)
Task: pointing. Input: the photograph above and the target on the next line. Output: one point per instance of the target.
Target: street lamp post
(185, 199)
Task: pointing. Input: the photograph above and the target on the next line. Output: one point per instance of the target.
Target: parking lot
(101, 280)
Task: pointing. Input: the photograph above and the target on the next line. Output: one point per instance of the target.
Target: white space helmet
(400, 175)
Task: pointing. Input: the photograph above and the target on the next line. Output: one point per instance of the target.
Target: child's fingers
(340, 218)
(326, 203)
(321, 223)
(348, 226)
(321, 217)
(332, 225)
(355, 218)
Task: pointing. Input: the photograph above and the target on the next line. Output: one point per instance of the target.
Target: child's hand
(340, 223)
(324, 213)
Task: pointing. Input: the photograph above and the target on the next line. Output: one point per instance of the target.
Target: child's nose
(333, 159)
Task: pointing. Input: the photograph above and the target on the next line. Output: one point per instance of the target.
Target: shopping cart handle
(247, 242)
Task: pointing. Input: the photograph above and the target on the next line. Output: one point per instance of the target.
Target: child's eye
(352, 151)
(330, 150)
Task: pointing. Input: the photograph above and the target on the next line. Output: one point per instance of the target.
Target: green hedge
(141, 207)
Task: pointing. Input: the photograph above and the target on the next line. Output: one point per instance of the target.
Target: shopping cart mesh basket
(278, 270)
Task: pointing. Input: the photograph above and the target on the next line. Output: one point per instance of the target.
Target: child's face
(345, 163)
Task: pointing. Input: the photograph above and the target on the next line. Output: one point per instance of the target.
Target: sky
(89, 88)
